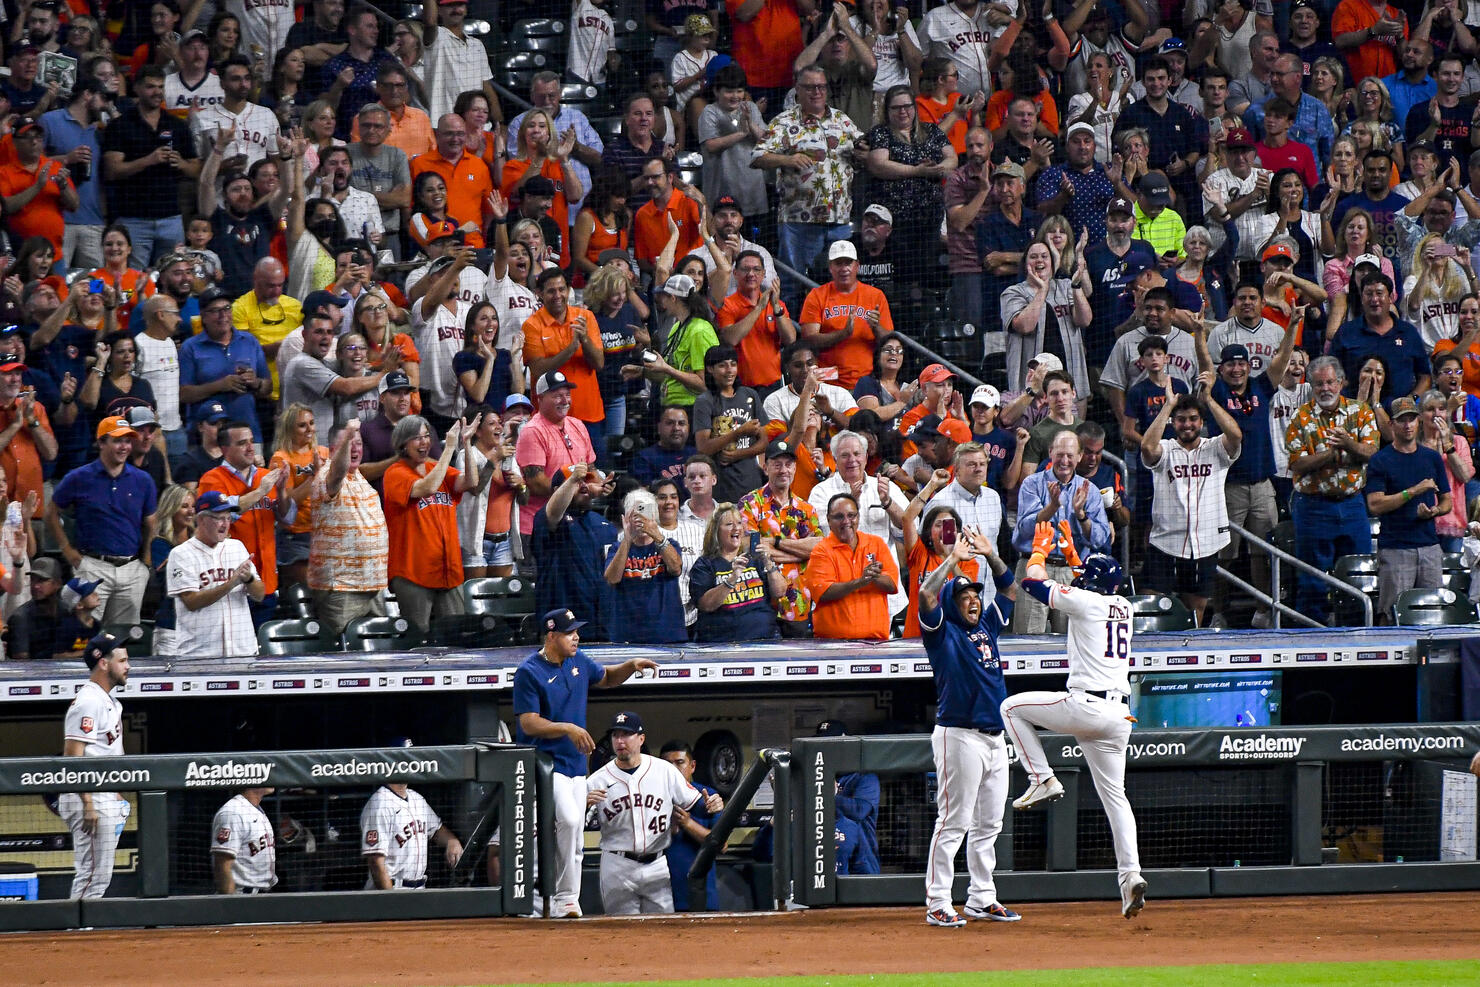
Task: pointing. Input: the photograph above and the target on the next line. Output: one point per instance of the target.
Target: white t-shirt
(178, 96)
(780, 403)
(1189, 510)
(638, 808)
(224, 629)
(891, 69)
(265, 23)
(397, 829)
(590, 42)
(1099, 642)
(243, 832)
(159, 364)
(439, 338)
(515, 303)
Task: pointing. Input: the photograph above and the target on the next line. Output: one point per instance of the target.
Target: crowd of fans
(304, 277)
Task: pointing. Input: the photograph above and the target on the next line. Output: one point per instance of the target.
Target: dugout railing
(485, 789)
(1262, 811)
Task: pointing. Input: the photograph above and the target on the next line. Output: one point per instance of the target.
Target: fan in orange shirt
(543, 152)
(650, 225)
(851, 574)
(939, 102)
(844, 317)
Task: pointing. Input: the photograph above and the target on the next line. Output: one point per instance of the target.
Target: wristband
(1407, 496)
(1037, 558)
(1003, 580)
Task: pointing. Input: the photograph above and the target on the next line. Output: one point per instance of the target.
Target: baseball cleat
(1047, 790)
(946, 918)
(1132, 895)
(995, 912)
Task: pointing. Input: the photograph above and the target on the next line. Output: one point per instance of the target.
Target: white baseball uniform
(398, 829)
(96, 719)
(256, 131)
(264, 23)
(634, 818)
(966, 41)
(224, 629)
(1094, 711)
(243, 832)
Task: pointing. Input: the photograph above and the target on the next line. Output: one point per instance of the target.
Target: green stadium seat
(291, 637)
(1152, 612)
(294, 602)
(381, 634)
(1432, 607)
(1456, 574)
(1360, 572)
(469, 630)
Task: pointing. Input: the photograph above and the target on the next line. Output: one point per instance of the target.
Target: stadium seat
(469, 630)
(290, 637)
(1154, 612)
(1456, 574)
(381, 634)
(607, 128)
(294, 602)
(137, 640)
(545, 34)
(623, 448)
(1359, 571)
(1432, 606)
(495, 594)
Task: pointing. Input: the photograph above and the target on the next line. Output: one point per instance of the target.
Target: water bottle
(13, 514)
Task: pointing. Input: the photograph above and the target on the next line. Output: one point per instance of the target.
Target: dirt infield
(1387, 927)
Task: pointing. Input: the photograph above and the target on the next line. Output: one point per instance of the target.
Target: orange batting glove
(1066, 545)
(1043, 539)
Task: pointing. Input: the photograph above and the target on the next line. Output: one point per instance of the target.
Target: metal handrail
(1278, 555)
(1125, 481)
(735, 806)
(913, 344)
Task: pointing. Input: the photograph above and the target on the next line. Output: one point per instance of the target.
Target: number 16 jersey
(1099, 638)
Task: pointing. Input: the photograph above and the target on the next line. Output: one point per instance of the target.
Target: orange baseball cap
(955, 429)
(935, 374)
(1278, 250)
(425, 230)
(115, 425)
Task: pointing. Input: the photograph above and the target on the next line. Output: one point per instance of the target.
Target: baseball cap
(697, 24)
(832, 728)
(517, 401)
(1047, 361)
(628, 721)
(140, 415)
(935, 374)
(1007, 169)
(986, 395)
(679, 286)
(562, 621)
(192, 35)
(880, 211)
(933, 427)
(1372, 259)
(780, 447)
(210, 295)
(593, 475)
(396, 380)
(318, 299)
(553, 380)
(9, 330)
(27, 127)
(44, 567)
(1278, 250)
(1156, 189)
(212, 411)
(842, 250)
(426, 231)
(1171, 45)
(114, 425)
(1422, 146)
(215, 502)
(99, 647)
(1075, 128)
(12, 365)
(539, 185)
(961, 584)
(1120, 204)
(1402, 408)
(77, 590)
(1234, 351)
(613, 253)
(1238, 137)
(727, 202)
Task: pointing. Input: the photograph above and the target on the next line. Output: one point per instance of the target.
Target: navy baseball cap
(562, 621)
(211, 295)
(99, 647)
(627, 722)
(780, 447)
(1234, 351)
(318, 299)
(212, 411)
(215, 502)
(539, 186)
(396, 380)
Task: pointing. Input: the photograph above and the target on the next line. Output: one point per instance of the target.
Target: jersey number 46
(657, 824)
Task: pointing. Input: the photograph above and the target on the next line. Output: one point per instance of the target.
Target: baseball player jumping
(244, 848)
(633, 798)
(94, 728)
(960, 630)
(395, 826)
(1094, 711)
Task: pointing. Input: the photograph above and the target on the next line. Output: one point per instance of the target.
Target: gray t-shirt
(1123, 369)
(383, 171)
(720, 416)
(306, 380)
(729, 172)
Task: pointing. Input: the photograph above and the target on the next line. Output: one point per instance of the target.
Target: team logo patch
(87, 724)
(223, 836)
(372, 837)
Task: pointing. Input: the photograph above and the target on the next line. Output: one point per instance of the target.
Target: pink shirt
(550, 446)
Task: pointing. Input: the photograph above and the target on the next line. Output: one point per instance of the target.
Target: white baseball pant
(1103, 729)
(632, 888)
(570, 830)
(970, 798)
(92, 852)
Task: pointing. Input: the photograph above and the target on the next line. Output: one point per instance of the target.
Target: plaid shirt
(794, 519)
(1306, 436)
(823, 193)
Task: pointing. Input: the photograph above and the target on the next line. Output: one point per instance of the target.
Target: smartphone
(95, 286)
(948, 531)
(1444, 250)
(755, 544)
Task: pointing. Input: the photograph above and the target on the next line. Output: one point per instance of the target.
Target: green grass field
(1395, 974)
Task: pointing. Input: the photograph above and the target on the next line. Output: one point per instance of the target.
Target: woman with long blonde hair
(1441, 278)
(542, 150)
(298, 454)
(174, 524)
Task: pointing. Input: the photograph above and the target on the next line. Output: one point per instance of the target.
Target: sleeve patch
(87, 724)
(223, 835)
(372, 837)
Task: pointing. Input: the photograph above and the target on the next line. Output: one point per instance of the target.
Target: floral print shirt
(824, 192)
(794, 519)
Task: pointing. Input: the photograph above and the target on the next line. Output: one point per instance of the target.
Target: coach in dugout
(211, 578)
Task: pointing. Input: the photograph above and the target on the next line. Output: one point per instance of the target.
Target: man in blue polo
(960, 631)
(1376, 332)
(223, 364)
(1407, 486)
(550, 691)
(118, 500)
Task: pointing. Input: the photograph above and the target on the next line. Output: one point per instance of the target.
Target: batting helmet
(1100, 574)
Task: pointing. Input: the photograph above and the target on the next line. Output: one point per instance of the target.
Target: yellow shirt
(270, 324)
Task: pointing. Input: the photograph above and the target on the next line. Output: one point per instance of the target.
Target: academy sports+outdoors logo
(1260, 747)
(61, 778)
(1382, 743)
(228, 774)
(378, 769)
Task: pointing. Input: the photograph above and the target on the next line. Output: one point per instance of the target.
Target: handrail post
(1125, 481)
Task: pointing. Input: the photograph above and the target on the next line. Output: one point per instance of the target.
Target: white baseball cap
(880, 211)
(1372, 259)
(1047, 361)
(842, 250)
(679, 285)
(986, 395)
(1075, 128)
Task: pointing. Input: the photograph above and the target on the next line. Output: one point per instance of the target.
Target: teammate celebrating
(633, 799)
(1094, 710)
(960, 631)
(395, 826)
(244, 849)
(94, 728)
